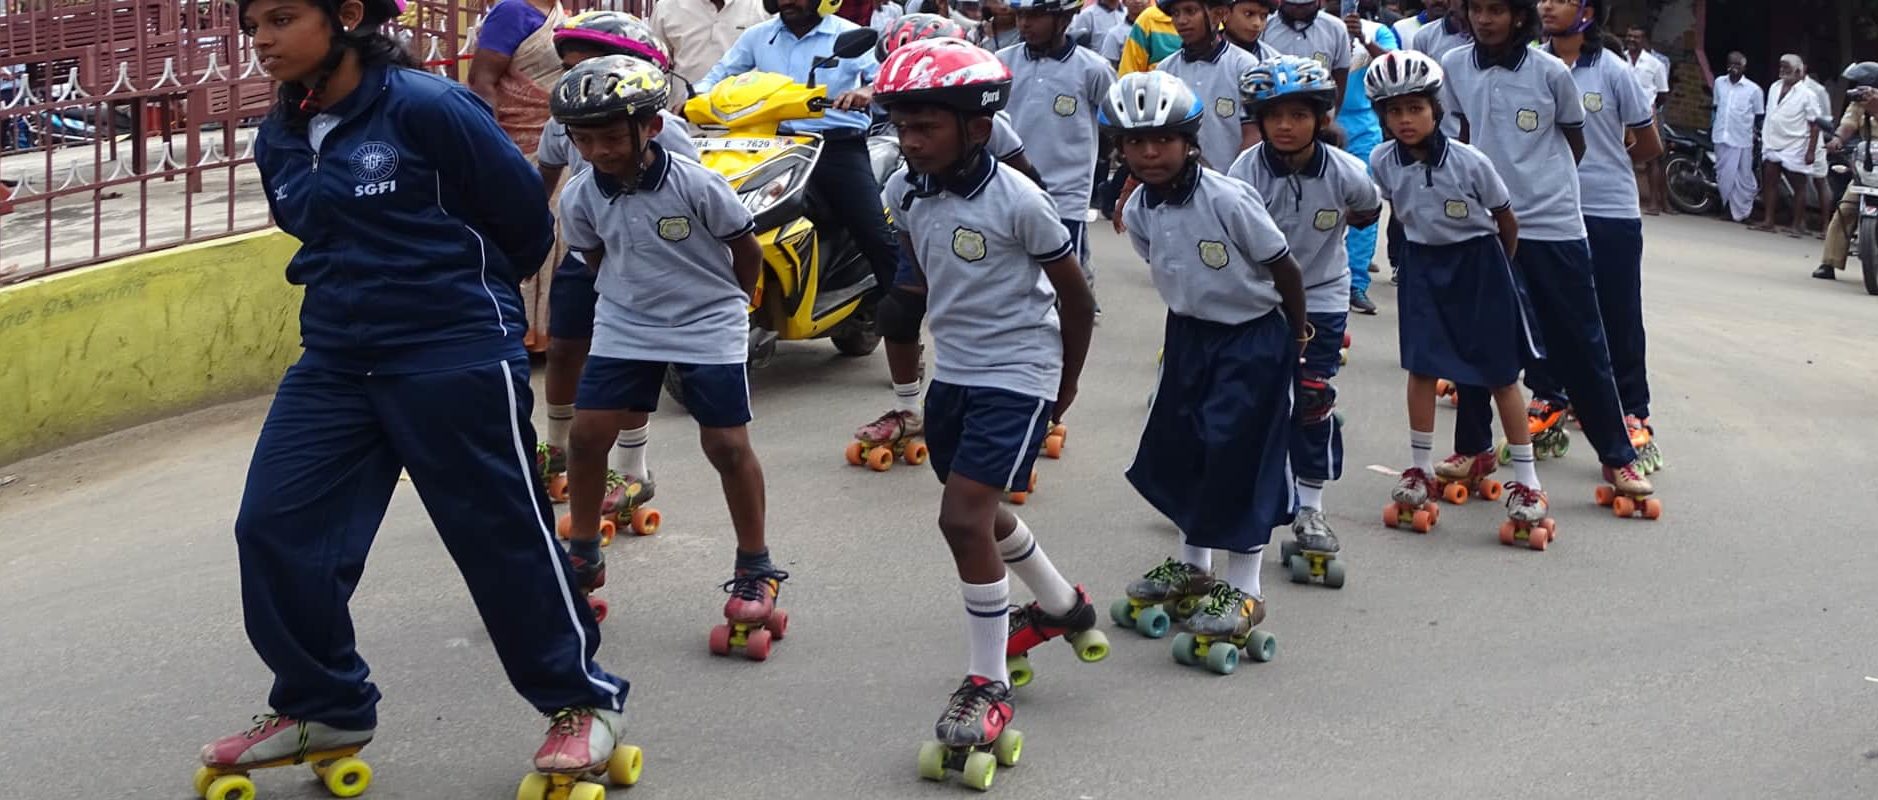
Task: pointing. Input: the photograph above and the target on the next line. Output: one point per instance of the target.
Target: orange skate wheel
(756, 647)
(916, 453)
(880, 459)
(1605, 495)
(1622, 506)
(1391, 515)
(1506, 533)
(1492, 490)
(1455, 493)
(1422, 521)
(1060, 431)
(607, 529)
(1053, 446)
(720, 640)
(1652, 508)
(1020, 498)
(557, 488)
(645, 521)
(1538, 538)
(856, 454)
(778, 623)
(564, 527)
(1033, 480)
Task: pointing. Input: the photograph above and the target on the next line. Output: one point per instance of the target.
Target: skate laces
(971, 700)
(753, 585)
(1169, 572)
(264, 721)
(566, 722)
(1221, 598)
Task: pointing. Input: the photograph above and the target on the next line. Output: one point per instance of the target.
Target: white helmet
(1150, 101)
(1400, 73)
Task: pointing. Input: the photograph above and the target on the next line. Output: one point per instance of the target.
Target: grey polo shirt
(1215, 80)
(1311, 207)
(1326, 41)
(1446, 200)
(1614, 102)
(1054, 98)
(1004, 143)
(1435, 39)
(1515, 109)
(1208, 248)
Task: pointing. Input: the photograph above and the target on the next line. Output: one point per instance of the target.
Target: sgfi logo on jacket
(375, 164)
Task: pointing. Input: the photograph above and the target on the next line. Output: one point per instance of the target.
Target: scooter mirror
(855, 43)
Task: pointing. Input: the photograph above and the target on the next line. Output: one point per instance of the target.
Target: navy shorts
(717, 395)
(571, 298)
(988, 435)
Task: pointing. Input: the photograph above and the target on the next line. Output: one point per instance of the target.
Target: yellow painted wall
(103, 348)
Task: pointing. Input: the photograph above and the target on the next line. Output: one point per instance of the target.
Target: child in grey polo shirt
(1520, 106)
(1461, 312)
(1213, 454)
(1302, 28)
(1211, 67)
(997, 265)
(1314, 192)
(677, 263)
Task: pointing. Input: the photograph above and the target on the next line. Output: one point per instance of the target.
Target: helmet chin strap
(335, 53)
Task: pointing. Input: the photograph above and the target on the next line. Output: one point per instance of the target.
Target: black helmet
(377, 13)
(1862, 73)
(609, 88)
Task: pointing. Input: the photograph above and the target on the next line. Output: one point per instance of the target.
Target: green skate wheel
(1090, 646)
(1288, 549)
(1123, 613)
(1334, 573)
(932, 761)
(1262, 646)
(980, 769)
(1021, 673)
(1564, 444)
(1223, 657)
(1300, 569)
(1505, 453)
(1153, 622)
(1183, 650)
(1008, 747)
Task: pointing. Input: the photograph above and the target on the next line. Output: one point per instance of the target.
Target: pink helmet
(613, 33)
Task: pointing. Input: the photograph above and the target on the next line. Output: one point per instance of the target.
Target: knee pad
(899, 314)
(1316, 401)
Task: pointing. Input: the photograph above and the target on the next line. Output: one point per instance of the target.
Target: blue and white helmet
(1046, 6)
(1288, 77)
(1151, 101)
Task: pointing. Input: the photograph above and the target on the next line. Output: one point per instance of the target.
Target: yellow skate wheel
(534, 787)
(1008, 747)
(205, 775)
(932, 761)
(980, 769)
(1020, 670)
(1091, 645)
(624, 766)
(346, 777)
(587, 791)
(230, 787)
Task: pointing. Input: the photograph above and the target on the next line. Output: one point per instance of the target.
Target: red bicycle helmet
(950, 73)
(916, 28)
(614, 33)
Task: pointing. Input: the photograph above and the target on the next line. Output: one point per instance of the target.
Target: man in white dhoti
(1790, 142)
(1739, 105)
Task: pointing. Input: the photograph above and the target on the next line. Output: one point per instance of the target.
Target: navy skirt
(1463, 314)
(1214, 455)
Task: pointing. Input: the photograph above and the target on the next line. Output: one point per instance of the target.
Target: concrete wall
(95, 350)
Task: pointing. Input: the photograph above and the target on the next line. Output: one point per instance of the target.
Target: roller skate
(1410, 506)
(625, 503)
(1459, 476)
(1031, 627)
(1643, 440)
(582, 743)
(280, 741)
(1173, 590)
(1526, 522)
(1312, 555)
(972, 737)
(1226, 622)
(895, 434)
(753, 620)
(1628, 493)
(589, 576)
(551, 461)
(1054, 440)
(1545, 420)
(1445, 388)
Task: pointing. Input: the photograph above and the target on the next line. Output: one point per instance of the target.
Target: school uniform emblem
(1213, 254)
(1226, 107)
(1326, 219)
(968, 244)
(1527, 120)
(1065, 105)
(675, 229)
(1455, 209)
(1322, 59)
(1594, 102)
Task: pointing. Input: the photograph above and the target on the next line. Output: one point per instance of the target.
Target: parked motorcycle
(1689, 170)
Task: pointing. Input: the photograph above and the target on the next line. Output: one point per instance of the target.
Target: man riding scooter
(1861, 112)
(842, 183)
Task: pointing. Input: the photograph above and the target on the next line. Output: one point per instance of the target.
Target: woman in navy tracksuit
(417, 219)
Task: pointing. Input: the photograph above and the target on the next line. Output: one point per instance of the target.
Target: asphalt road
(1726, 650)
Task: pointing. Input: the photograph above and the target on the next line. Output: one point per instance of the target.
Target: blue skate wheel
(1223, 657)
(1300, 569)
(1183, 650)
(1153, 622)
(1122, 613)
(1262, 646)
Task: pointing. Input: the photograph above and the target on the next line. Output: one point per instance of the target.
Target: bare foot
(1761, 226)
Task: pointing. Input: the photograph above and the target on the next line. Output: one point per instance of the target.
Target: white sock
(1198, 556)
(1242, 571)
(1311, 494)
(629, 456)
(987, 623)
(1422, 450)
(1524, 470)
(906, 397)
(560, 421)
(1024, 556)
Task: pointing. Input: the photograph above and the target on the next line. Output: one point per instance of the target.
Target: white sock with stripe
(1422, 450)
(560, 423)
(987, 624)
(629, 454)
(1024, 556)
(1524, 469)
(906, 397)
(1201, 557)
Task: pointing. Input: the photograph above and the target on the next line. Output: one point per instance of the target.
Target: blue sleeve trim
(1275, 259)
(1068, 247)
(747, 229)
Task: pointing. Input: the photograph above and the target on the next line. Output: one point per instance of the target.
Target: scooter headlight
(763, 195)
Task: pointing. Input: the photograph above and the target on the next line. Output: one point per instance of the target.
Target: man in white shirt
(1739, 105)
(1790, 141)
(1652, 73)
(698, 32)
